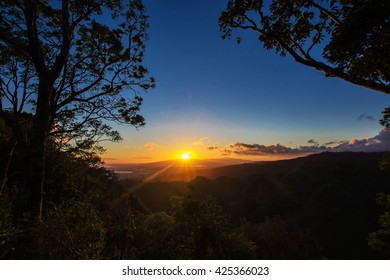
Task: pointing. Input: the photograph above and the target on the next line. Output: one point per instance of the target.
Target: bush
(71, 231)
(8, 233)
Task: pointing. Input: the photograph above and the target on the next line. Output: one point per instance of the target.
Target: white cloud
(151, 146)
(199, 142)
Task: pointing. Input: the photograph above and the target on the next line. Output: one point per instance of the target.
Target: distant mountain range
(314, 207)
(171, 170)
(179, 170)
(326, 159)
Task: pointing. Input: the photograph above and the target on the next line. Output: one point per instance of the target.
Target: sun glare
(185, 156)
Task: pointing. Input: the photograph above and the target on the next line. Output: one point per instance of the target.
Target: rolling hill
(170, 170)
(319, 206)
(177, 170)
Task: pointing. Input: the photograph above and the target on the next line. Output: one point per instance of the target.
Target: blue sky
(215, 93)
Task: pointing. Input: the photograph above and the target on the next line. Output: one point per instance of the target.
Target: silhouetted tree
(72, 64)
(277, 238)
(195, 229)
(71, 231)
(380, 239)
(341, 38)
(385, 120)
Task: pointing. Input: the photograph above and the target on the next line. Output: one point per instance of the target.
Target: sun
(185, 156)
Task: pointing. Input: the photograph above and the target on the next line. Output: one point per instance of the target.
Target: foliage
(206, 231)
(344, 39)
(71, 231)
(385, 121)
(73, 65)
(8, 232)
(90, 52)
(385, 163)
(196, 229)
(380, 239)
(277, 238)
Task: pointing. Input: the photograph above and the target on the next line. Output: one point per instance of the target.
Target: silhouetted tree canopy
(341, 38)
(385, 120)
(380, 239)
(73, 65)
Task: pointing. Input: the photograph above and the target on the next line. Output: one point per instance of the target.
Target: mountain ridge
(179, 170)
(287, 165)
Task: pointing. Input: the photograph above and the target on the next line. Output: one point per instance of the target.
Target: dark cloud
(367, 118)
(226, 152)
(277, 149)
(254, 149)
(378, 143)
(331, 143)
(313, 142)
(223, 151)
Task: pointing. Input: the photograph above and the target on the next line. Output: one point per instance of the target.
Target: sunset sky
(216, 98)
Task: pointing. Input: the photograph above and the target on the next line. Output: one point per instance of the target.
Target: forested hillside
(321, 206)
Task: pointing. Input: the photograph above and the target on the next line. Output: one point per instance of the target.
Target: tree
(341, 38)
(71, 231)
(73, 65)
(195, 229)
(385, 120)
(380, 239)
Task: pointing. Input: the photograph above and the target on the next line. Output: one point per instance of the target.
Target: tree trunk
(35, 170)
(30, 198)
(29, 202)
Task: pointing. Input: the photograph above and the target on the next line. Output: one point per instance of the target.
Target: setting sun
(185, 156)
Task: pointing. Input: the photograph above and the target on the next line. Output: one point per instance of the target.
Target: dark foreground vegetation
(322, 206)
(88, 214)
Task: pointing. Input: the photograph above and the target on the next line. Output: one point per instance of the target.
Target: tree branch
(327, 12)
(67, 33)
(326, 69)
(34, 44)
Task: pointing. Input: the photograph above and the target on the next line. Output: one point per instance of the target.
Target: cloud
(331, 143)
(366, 117)
(378, 143)
(273, 150)
(199, 142)
(151, 146)
(313, 142)
(253, 149)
